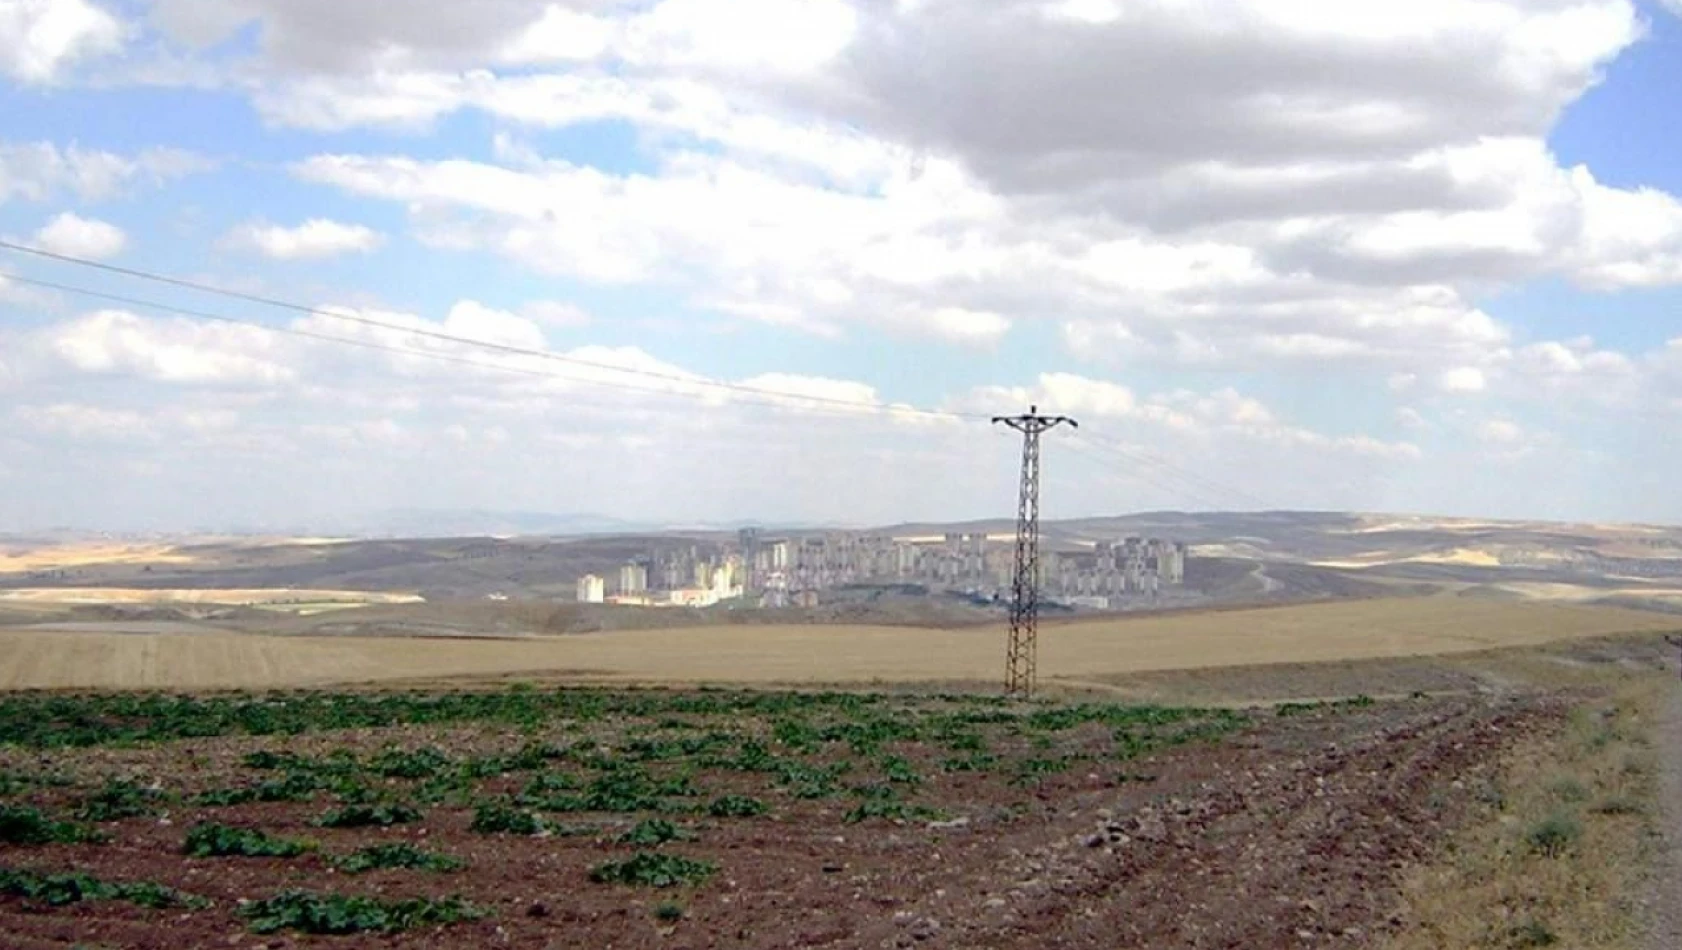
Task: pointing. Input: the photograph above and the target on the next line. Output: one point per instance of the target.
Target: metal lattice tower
(1020, 655)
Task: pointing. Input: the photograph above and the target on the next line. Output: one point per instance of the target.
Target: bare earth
(1290, 833)
(1074, 652)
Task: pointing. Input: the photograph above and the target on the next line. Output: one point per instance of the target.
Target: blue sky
(1439, 272)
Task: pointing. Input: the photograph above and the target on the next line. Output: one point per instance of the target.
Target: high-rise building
(591, 589)
(748, 541)
(633, 579)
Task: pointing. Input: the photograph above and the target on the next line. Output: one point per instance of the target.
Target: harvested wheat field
(810, 654)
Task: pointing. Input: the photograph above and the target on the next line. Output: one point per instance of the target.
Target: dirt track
(812, 654)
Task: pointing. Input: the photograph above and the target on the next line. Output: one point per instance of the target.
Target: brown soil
(1291, 832)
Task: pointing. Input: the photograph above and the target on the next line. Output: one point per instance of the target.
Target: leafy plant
(879, 808)
(647, 869)
(897, 769)
(401, 855)
(369, 816)
(207, 840)
(1032, 770)
(668, 912)
(736, 806)
(58, 890)
(418, 763)
(501, 817)
(314, 913)
(21, 824)
(119, 799)
(655, 831)
(974, 762)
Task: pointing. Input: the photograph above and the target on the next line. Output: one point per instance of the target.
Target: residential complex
(793, 570)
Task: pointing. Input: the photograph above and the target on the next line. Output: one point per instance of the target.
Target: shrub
(369, 816)
(1568, 790)
(1532, 933)
(58, 890)
(1554, 835)
(668, 912)
(24, 825)
(1618, 805)
(398, 856)
(208, 840)
(646, 869)
(313, 913)
(736, 806)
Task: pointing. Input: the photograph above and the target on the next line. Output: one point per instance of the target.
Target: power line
(755, 396)
(1119, 473)
(745, 395)
(420, 332)
(1186, 480)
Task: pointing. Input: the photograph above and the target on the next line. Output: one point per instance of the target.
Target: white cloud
(1501, 431)
(1222, 414)
(1462, 379)
(84, 421)
(70, 234)
(169, 351)
(556, 313)
(1321, 192)
(475, 321)
(828, 164)
(39, 38)
(39, 171)
(314, 238)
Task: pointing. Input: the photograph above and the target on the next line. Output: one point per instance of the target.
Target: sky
(723, 260)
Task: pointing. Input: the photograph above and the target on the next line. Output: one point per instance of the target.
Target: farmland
(1289, 771)
(581, 817)
(1076, 652)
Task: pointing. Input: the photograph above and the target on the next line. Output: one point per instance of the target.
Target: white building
(591, 589)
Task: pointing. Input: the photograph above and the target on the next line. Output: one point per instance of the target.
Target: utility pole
(1020, 655)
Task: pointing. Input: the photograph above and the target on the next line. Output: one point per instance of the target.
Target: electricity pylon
(1021, 654)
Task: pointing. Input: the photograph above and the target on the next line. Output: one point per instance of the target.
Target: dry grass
(1073, 652)
(54, 557)
(1562, 845)
(200, 595)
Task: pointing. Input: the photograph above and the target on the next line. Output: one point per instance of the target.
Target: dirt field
(1074, 653)
(763, 820)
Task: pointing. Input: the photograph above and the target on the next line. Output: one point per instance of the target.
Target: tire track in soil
(1275, 853)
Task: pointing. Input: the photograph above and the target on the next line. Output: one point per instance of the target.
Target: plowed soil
(1270, 831)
